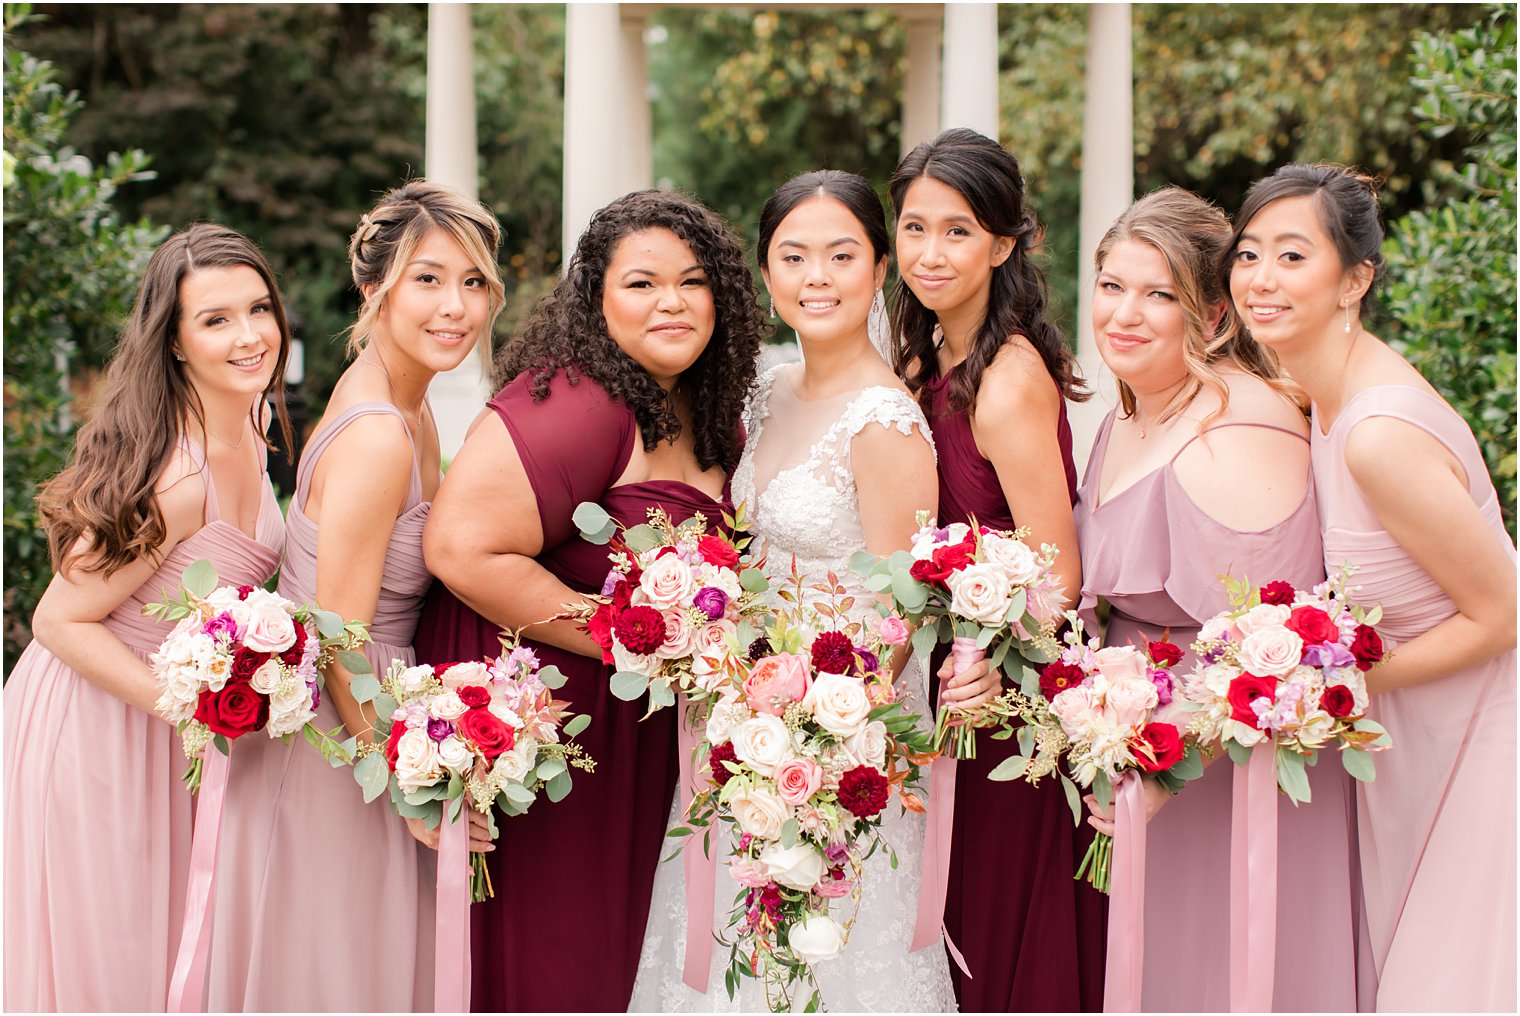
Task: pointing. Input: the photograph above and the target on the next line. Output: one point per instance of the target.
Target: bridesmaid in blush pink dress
(325, 902)
(97, 822)
(1405, 498)
(1203, 472)
(993, 375)
(626, 390)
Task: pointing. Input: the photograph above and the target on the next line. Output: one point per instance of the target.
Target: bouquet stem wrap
(940, 832)
(1253, 882)
(187, 986)
(701, 870)
(1126, 908)
(451, 923)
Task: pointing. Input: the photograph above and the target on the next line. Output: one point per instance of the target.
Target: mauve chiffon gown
(1156, 557)
(325, 903)
(97, 822)
(573, 879)
(1032, 936)
(1438, 825)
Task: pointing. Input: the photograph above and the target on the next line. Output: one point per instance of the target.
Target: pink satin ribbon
(701, 870)
(187, 986)
(1253, 882)
(939, 834)
(451, 922)
(1126, 899)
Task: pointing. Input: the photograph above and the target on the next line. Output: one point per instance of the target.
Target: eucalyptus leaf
(1239, 754)
(519, 793)
(1016, 605)
(357, 664)
(924, 640)
(628, 686)
(985, 637)
(790, 833)
(385, 705)
(863, 562)
(1073, 798)
(1292, 777)
(1011, 768)
(595, 525)
(576, 724)
(329, 625)
(364, 687)
(552, 677)
(406, 809)
(455, 809)
(900, 561)
(753, 580)
(550, 768)
(372, 774)
(1359, 765)
(1190, 767)
(641, 538)
(879, 582)
(661, 695)
(559, 787)
(199, 579)
(908, 591)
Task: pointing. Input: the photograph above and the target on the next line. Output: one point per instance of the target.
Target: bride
(838, 459)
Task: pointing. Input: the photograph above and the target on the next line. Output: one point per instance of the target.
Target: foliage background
(287, 120)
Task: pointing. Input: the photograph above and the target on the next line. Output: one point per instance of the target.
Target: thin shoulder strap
(1239, 423)
(321, 440)
(213, 507)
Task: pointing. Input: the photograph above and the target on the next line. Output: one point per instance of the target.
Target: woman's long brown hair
(106, 493)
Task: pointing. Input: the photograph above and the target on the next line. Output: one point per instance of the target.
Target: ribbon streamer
(451, 923)
(1253, 882)
(1126, 902)
(187, 985)
(701, 871)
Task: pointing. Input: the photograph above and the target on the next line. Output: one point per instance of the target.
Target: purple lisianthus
(865, 661)
(439, 729)
(711, 601)
(222, 625)
(837, 853)
(316, 693)
(1164, 685)
(1328, 654)
(611, 581)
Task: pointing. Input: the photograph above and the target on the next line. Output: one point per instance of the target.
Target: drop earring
(1347, 305)
(771, 309)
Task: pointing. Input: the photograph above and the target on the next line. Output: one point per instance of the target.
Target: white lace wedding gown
(798, 457)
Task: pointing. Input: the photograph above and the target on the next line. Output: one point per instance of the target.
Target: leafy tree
(1452, 271)
(72, 262)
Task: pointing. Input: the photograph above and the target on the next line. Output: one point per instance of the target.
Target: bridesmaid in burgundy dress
(993, 375)
(625, 389)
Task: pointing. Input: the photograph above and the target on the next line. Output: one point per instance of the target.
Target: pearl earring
(1347, 305)
(771, 309)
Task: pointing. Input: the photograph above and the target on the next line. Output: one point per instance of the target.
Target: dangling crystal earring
(771, 309)
(878, 303)
(1347, 305)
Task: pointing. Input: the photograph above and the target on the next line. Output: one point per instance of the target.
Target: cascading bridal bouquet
(1110, 711)
(1286, 667)
(804, 756)
(982, 590)
(242, 660)
(675, 606)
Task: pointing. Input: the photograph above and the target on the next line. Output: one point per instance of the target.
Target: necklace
(224, 441)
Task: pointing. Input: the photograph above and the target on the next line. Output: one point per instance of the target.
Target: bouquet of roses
(1286, 667)
(981, 589)
(243, 659)
(477, 733)
(1106, 710)
(804, 756)
(670, 613)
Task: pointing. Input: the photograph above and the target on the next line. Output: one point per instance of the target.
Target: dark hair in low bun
(852, 191)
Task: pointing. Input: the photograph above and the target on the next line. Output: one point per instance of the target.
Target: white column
(970, 68)
(636, 158)
(922, 84)
(452, 158)
(1108, 187)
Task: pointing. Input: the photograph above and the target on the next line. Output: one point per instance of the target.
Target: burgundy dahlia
(833, 653)
(1279, 593)
(640, 629)
(1058, 676)
(863, 791)
(721, 753)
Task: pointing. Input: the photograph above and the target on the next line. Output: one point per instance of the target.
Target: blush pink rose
(678, 636)
(1120, 663)
(667, 582)
(777, 681)
(892, 630)
(269, 629)
(798, 779)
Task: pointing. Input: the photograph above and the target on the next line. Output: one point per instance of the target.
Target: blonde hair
(1192, 236)
(390, 233)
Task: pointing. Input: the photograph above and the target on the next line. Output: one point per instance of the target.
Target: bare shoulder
(181, 495)
(376, 444)
(1376, 442)
(1252, 400)
(1016, 382)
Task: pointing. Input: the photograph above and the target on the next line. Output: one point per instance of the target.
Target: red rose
(244, 662)
(944, 562)
(391, 750)
(863, 791)
(243, 591)
(832, 653)
(1312, 625)
(1338, 701)
(640, 629)
(1279, 594)
(1057, 677)
(1244, 690)
(622, 596)
(716, 551)
(1366, 647)
(721, 753)
(234, 711)
(599, 627)
(1163, 654)
(490, 736)
(1158, 747)
(474, 696)
(292, 656)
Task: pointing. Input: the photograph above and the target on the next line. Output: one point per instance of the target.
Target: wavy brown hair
(568, 331)
(146, 404)
(988, 178)
(1192, 235)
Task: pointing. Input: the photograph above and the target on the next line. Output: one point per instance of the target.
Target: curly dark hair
(568, 331)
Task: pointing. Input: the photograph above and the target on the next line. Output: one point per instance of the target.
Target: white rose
(799, 866)
(838, 703)
(461, 674)
(267, 678)
(1120, 663)
(1130, 701)
(760, 813)
(517, 763)
(1013, 556)
(447, 706)
(1075, 708)
(761, 742)
(269, 629)
(414, 679)
(1261, 616)
(980, 592)
(725, 716)
(1271, 652)
(815, 938)
(678, 636)
(455, 755)
(1217, 629)
(869, 744)
(224, 599)
(291, 695)
(1242, 733)
(667, 581)
(504, 713)
(634, 663)
(718, 578)
(416, 760)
